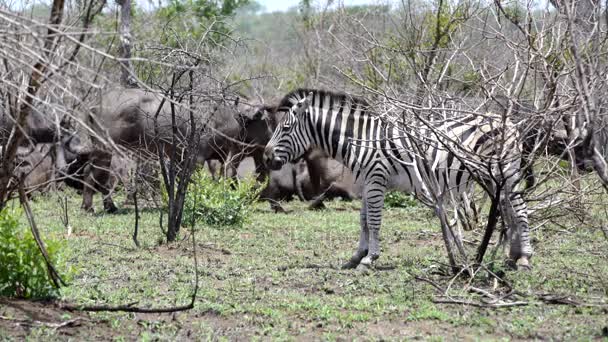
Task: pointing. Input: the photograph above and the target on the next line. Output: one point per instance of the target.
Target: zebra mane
(293, 97)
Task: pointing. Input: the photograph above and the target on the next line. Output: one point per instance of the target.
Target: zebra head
(291, 138)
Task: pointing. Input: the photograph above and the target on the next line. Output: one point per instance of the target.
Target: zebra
(381, 155)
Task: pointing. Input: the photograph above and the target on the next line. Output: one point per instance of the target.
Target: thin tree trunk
(127, 76)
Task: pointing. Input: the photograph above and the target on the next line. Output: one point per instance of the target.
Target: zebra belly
(449, 183)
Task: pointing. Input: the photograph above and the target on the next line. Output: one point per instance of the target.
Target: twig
(310, 266)
(53, 274)
(65, 218)
(136, 206)
(483, 293)
(434, 284)
(478, 304)
(550, 298)
(55, 326)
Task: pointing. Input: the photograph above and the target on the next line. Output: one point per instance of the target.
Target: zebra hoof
(523, 264)
(350, 264)
(364, 268)
(354, 261)
(366, 264)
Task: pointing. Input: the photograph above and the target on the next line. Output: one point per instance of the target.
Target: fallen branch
(124, 308)
(432, 283)
(483, 293)
(71, 322)
(550, 298)
(310, 266)
(215, 248)
(500, 304)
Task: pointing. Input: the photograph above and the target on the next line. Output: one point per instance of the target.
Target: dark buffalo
(281, 184)
(293, 181)
(320, 177)
(128, 117)
(40, 168)
(281, 187)
(39, 128)
(34, 165)
(77, 165)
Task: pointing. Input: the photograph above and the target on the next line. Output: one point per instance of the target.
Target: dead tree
(177, 167)
(127, 75)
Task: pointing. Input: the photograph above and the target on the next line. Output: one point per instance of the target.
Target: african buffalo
(34, 166)
(120, 172)
(321, 177)
(39, 128)
(128, 117)
(39, 167)
(293, 180)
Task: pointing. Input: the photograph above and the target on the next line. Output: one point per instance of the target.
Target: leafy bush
(225, 202)
(23, 271)
(397, 199)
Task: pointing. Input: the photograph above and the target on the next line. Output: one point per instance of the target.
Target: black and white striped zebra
(385, 155)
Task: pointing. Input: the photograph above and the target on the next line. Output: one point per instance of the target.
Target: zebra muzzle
(271, 160)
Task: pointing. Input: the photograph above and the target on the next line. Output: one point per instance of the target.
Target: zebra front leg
(518, 230)
(375, 202)
(363, 239)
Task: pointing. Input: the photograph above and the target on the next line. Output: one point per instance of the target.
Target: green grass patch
(278, 277)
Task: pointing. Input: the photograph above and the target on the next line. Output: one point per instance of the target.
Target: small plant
(226, 202)
(397, 199)
(23, 271)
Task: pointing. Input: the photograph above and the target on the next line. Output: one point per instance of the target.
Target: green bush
(23, 271)
(221, 203)
(398, 199)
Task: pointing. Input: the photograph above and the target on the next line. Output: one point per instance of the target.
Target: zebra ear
(305, 103)
(308, 100)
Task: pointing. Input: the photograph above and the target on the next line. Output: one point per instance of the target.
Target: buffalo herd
(141, 124)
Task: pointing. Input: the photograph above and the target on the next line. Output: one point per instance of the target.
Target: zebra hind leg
(375, 202)
(515, 214)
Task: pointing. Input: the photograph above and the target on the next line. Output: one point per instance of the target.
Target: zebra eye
(286, 127)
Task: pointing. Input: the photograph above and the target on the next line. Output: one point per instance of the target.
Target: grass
(279, 278)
